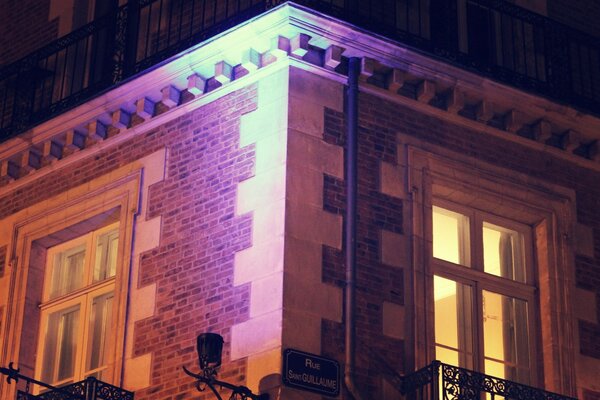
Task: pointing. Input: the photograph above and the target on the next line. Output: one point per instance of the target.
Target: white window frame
(45, 224)
(548, 208)
(475, 277)
(83, 297)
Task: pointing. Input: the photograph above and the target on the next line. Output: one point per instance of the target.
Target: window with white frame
(483, 292)
(77, 308)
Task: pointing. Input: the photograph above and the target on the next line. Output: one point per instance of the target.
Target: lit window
(77, 312)
(483, 296)
(451, 236)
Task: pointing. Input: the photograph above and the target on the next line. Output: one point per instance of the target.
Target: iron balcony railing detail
(493, 38)
(88, 389)
(446, 382)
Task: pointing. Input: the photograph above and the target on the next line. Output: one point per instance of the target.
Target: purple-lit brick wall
(193, 265)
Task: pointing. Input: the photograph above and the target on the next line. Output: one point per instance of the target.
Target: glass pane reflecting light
(506, 337)
(100, 329)
(61, 345)
(67, 271)
(77, 327)
(503, 253)
(453, 322)
(479, 321)
(451, 236)
(106, 255)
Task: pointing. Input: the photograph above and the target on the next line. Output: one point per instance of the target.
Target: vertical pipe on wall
(350, 231)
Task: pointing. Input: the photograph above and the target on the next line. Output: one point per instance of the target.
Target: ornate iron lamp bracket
(209, 379)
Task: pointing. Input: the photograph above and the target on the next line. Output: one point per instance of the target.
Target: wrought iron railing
(88, 389)
(440, 381)
(491, 37)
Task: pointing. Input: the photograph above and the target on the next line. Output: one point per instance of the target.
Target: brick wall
(193, 265)
(379, 123)
(376, 282)
(24, 22)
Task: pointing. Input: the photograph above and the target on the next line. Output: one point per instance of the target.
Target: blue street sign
(311, 372)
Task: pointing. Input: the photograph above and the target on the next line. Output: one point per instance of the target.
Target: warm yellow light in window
(453, 327)
(503, 252)
(506, 337)
(450, 236)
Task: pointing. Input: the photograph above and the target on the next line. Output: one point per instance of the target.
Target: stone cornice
(290, 32)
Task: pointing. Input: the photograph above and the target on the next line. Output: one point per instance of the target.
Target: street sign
(311, 372)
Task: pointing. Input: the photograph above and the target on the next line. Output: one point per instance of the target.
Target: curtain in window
(67, 271)
(99, 333)
(61, 345)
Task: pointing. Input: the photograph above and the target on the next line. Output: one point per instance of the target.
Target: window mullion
(89, 259)
(486, 281)
(82, 342)
(86, 307)
(452, 271)
(477, 241)
(59, 342)
(479, 351)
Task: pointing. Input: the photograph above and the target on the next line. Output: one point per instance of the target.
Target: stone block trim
(192, 267)
(259, 267)
(393, 320)
(545, 130)
(186, 235)
(380, 208)
(308, 298)
(395, 249)
(71, 213)
(142, 304)
(382, 71)
(310, 230)
(3, 261)
(139, 108)
(585, 305)
(391, 180)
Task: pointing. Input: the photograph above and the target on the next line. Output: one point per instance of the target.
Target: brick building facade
(209, 194)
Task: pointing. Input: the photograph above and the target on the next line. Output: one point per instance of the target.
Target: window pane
(60, 346)
(451, 236)
(100, 329)
(503, 252)
(505, 333)
(453, 322)
(106, 255)
(67, 271)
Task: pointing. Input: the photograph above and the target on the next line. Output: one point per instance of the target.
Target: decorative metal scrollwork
(90, 388)
(462, 384)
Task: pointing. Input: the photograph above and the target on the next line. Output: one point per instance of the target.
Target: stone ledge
(298, 34)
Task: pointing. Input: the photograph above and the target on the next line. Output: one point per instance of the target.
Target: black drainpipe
(350, 233)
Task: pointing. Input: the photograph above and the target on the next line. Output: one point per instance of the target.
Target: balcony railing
(440, 381)
(88, 389)
(490, 37)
